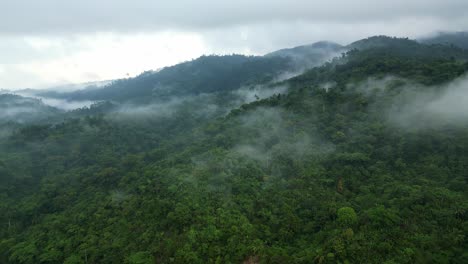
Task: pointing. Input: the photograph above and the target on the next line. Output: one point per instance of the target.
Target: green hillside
(360, 160)
(458, 39)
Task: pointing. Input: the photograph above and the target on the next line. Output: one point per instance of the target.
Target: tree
(347, 216)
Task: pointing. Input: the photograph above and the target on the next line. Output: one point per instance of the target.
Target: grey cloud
(57, 16)
(17, 50)
(262, 38)
(247, 27)
(9, 77)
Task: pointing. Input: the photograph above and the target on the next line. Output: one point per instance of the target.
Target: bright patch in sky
(97, 57)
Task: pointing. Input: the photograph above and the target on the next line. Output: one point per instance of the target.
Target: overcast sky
(49, 42)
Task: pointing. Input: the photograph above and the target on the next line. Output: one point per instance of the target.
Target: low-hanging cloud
(270, 133)
(23, 115)
(57, 103)
(434, 106)
(205, 105)
(65, 104)
(258, 92)
(412, 105)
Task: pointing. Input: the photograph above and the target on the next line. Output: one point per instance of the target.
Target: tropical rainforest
(317, 154)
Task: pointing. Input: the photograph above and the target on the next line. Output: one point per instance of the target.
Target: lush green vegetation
(328, 172)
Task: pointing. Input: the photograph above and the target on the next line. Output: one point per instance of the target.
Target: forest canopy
(362, 159)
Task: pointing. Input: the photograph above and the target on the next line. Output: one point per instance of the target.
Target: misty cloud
(270, 133)
(258, 92)
(200, 106)
(197, 106)
(66, 105)
(58, 103)
(24, 114)
(415, 106)
(433, 106)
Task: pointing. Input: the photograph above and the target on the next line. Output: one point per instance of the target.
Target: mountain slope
(312, 55)
(213, 74)
(24, 109)
(206, 74)
(408, 48)
(459, 39)
(361, 161)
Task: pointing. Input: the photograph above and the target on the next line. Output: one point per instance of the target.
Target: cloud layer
(57, 16)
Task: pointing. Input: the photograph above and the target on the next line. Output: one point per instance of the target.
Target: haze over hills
(20, 109)
(312, 55)
(290, 61)
(229, 81)
(235, 78)
(316, 154)
(459, 39)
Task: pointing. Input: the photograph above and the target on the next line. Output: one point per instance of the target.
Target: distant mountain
(57, 90)
(381, 42)
(310, 55)
(392, 46)
(207, 74)
(218, 74)
(53, 91)
(24, 110)
(305, 50)
(458, 39)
